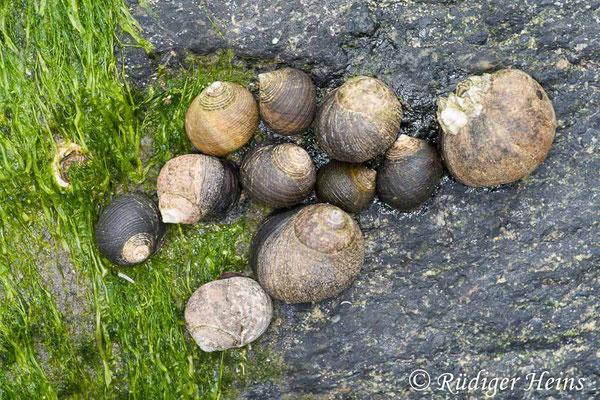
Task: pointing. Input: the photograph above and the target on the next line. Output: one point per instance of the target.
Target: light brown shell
(67, 154)
(228, 313)
(194, 186)
(222, 118)
(358, 121)
(348, 186)
(307, 254)
(496, 129)
(287, 100)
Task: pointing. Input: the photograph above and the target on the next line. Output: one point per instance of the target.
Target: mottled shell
(348, 186)
(496, 129)
(287, 100)
(278, 175)
(129, 229)
(358, 121)
(222, 118)
(194, 186)
(410, 173)
(307, 254)
(228, 313)
(67, 154)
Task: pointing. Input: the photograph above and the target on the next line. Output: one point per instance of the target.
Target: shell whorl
(218, 96)
(293, 160)
(404, 146)
(271, 83)
(365, 178)
(325, 228)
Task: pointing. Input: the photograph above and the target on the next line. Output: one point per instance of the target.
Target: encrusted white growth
(455, 111)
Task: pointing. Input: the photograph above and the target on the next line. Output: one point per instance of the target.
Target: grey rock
(505, 279)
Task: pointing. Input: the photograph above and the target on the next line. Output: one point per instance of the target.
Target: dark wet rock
(502, 279)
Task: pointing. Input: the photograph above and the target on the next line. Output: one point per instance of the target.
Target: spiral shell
(410, 173)
(278, 175)
(194, 186)
(307, 254)
(359, 120)
(348, 186)
(287, 100)
(67, 155)
(222, 118)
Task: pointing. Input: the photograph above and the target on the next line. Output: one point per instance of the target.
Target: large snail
(194, 186)
(278, 175)
(307, 254)
(129, 229)
(348, 186)
(222, 118)
(497, 128)
(410, 173)
(228, 313)
(287, 100)
(359, 120)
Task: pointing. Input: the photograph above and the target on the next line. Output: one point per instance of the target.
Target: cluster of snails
(495, 129)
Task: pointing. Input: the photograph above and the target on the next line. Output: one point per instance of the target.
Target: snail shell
(410, 173)
(129, 229)
(287, 100)
(66, 156)
(228, 313)
(348, 186)
(496, 128)
(359, 120)
(222, 118)
(307, 254)
(278, 175)
(194, 186)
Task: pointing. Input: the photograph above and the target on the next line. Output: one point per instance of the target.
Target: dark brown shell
(222, 118)
(410, 173)
(278, 175)
(496, 129)
(348, 186)
(307, 254)
(195, 186)
(358, 121)
(287, 100)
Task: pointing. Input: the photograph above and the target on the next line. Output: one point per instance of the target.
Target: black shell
(348, 186)
(129, 229)
(410, 173)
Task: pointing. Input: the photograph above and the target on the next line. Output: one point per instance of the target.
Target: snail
(307, 254)
(496, 128)
(348, 186)
(228, 313)
(410, 173)
(222, 118)
(66, 156)
(194, 186)
(278, 175)
(359, 120)
(287, 100)
(129, 229)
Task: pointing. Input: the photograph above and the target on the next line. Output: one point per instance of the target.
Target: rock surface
(505, 280)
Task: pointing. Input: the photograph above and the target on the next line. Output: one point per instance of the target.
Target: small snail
(228, 313)
(410, 173)
(359, 120)
(497, 128)
(194, 186)
(278, 175)
(287, 100)
(129, 229)
(348, 186)
(222, 118)
(307, 254)
(66, 155)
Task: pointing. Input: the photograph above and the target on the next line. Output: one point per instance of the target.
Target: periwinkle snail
(129, 229)
(359, 120)
(307, 254)
(222, 118)
(287, 100)
(348, 186)
(410, 173)
(497, 128)
(194, 186)
(67, 155)
(278, 175)
(228, 313)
